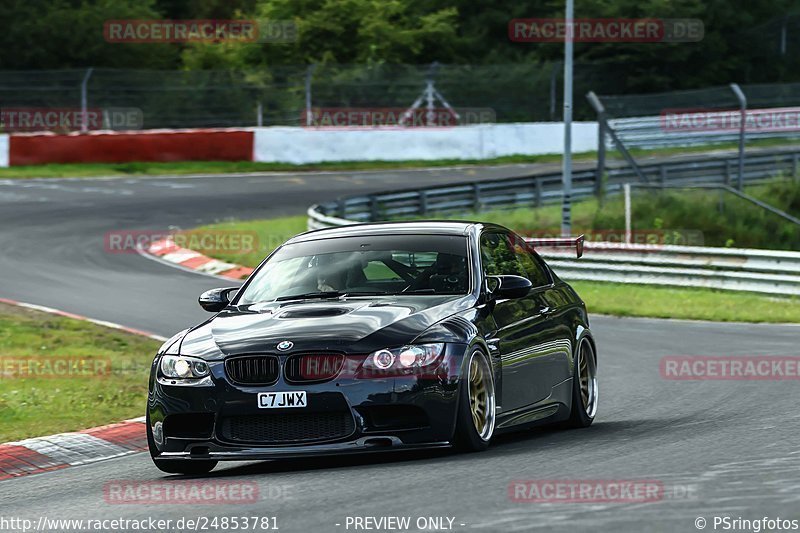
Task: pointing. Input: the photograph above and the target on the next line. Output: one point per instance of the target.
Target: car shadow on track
(520, 442)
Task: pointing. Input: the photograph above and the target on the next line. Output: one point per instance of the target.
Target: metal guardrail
(650, 132)
(763, 271)
(540, 189)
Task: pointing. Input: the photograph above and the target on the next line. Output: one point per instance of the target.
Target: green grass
(36, 405)
(82, 170)
(691, 217)
(621, 299)
(271, 233)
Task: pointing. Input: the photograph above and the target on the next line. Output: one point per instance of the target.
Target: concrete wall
(314, 145)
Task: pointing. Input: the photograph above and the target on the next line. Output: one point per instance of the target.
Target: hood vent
(313, 312)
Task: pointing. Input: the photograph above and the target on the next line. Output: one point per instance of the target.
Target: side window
(534, 269)
(498, 256)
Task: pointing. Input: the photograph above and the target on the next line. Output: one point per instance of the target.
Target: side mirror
(508, 287)
(216, 300)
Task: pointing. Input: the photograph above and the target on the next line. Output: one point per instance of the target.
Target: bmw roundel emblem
(285, 345)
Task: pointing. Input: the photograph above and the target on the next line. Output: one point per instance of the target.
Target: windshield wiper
(328, 294)
(309, 295)
(419, 291)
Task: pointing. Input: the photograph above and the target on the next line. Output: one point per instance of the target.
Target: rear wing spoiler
(562, 242)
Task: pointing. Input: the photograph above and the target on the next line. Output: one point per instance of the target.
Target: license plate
(281, 400)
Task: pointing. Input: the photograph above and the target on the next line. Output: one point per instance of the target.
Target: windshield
(370, 265)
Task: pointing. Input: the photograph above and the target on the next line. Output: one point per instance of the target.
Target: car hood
(356, 325)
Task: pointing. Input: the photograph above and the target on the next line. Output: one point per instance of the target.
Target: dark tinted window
(534, 268)
(498, 257)
(379, 264)
(504, 254)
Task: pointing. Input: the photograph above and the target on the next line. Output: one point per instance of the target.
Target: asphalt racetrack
(719, 448)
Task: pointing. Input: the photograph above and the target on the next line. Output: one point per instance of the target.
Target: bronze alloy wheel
(587, 373)
(481, 396)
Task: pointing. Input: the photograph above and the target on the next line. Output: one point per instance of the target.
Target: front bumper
(402, 412)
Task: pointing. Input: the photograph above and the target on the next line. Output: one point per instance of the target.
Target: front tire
(584, 387)
(476, 405)
(172, 466)
(186, 467)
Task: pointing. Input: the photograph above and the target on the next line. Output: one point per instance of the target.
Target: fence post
(553, 81)
(309, 73)
(85, 101)
(259, 115)
(627, 190)
(737, 91)
(601, 155)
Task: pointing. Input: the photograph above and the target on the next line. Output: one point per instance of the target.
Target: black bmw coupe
(375, 337)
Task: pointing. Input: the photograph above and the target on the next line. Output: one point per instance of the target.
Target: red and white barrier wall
(295, 145)
(123, 147)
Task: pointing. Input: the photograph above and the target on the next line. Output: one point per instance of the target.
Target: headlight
(404, 359)
(182, 367)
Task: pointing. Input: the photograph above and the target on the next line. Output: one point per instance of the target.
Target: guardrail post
(476, 201)
(341, 208)
(727, 173)
(423, 202)
(662, 175)
(598, 107)
(538, 182)
(794, 166)
(743, 106)
(373, 209)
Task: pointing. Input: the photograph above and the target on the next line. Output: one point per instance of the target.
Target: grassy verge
(692, 217)
(81, 170)
(270, 234)
(621, 299)
(38, 397)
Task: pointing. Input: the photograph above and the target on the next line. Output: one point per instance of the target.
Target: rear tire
(476, 405)
(584, 387)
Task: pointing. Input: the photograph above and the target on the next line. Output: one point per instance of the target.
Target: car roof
(417, 227)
